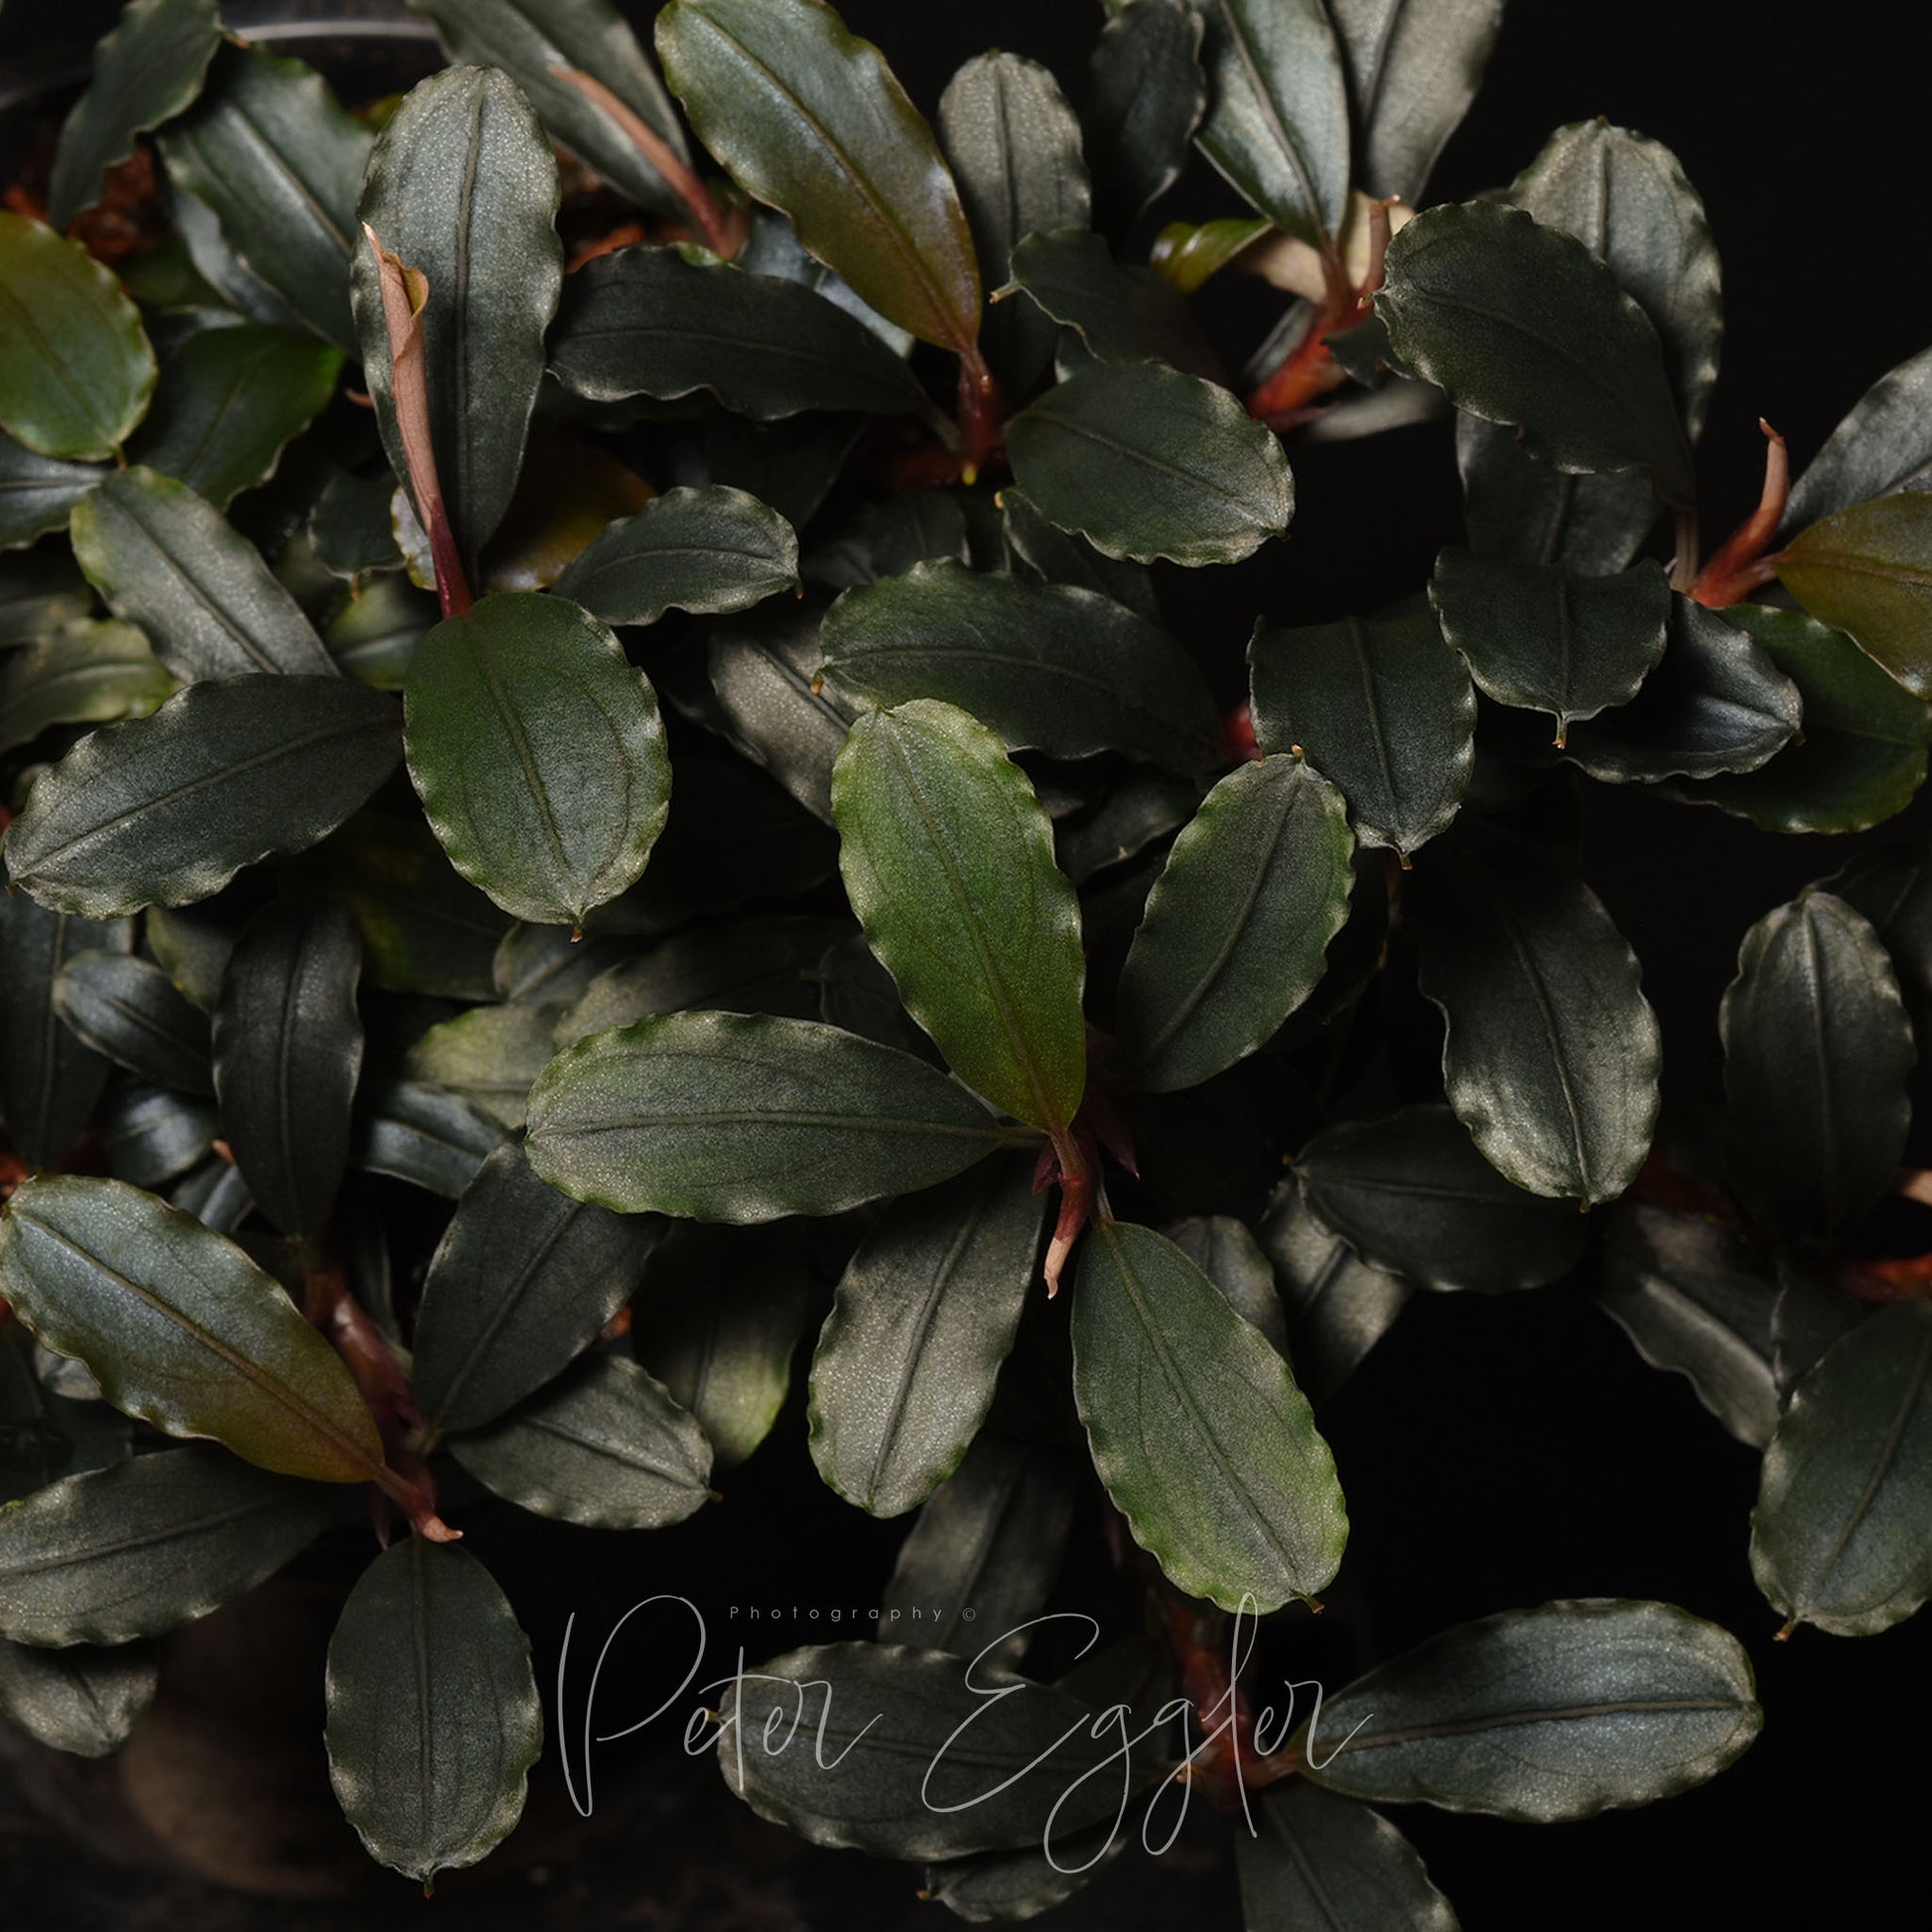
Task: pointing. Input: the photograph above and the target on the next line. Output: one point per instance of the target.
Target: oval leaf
(1539, 638)
(809, 118)
(1837, 1537)
(1818, 1048)
(164, 558)
(462, 187)
(644, 322)
(1868, 571)
(538, 755)
(38, 493)
(1318, 1860)
(1383, 709)
(1337, 1306)
(133, 1551)
(1237, 927)
(1541, 1716)
(703, 550)
(1410, 1193)
(288, 1052)
(1146, 461)
(1520, 323)
(604, 1446)
(1048, 666)
(181, 1329)
(432, 1721)
(172, 806)
(130, 1011)
(723, 1117)
(268, 150)
(1277, 123)
(521, 1284)
(1204, 1442)
(75, 368)
(948, 860)
(145, 73)
(1147, 97)
(927, 1312)
(1880, 446)
(83, 1701)
(83, 673)
(1553, 1054)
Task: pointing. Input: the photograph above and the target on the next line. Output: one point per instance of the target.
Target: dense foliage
(620, 683)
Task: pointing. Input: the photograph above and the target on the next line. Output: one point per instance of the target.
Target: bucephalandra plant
(589, 641)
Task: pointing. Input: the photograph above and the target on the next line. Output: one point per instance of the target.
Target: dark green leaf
(164, 558)
(181, 1329)
(982, 1559)
(1837, 1537)
(604, 1446)
(75, 368)
(146, 71)
(1015, 148)
(549, 966)
(1542, 1716)
(83, 1701)
(433, 1720)
(948, 860)
(1146, 461)
(1120, 314)
(1553, 1054)
(757, 965)
(1123, 822)
(46, 1435)
(151, 1137)
(1818, 1050)
(130, 1012)
(856, 993)
(531, 39)
(424, 928)
(227, 404)
(927, 1312)
(1237, 926)
(192, 948)
(1230, 1257)
(1691, 1298)
(538, 755)
(215, 1195)
(38, 493)
(1520, 323)
(644, 322)
(704, 550)
(886, 539)
(1880, 446)
(1057, 556)
(1204, 1442)
(1047, 666)
(1339, 1307)
(1868, 571)
(1410, 1193)
(993, 1887)
(761, 670)
(809, 118)
(884, 1718)
(422, 1135)
(352, 533)
(288, 1052)
(85, 673)
(462, 186)
(1716, 703)
(1889, 887)
(722, 1315)
(1811, 1314)
(1316, 1860)
(1625, 197)
(1382, 707)
(1277, 123)
(489, 1055)
(374, 634)
(1861, 753)
(1537, 638)
(772, 248)
(270, 152)
(1148, 95)
(1520, 509)
(522, 1282)
(171, 808)
(1414, 66)
(135, 1550)
(724, 1118)
(38, 593)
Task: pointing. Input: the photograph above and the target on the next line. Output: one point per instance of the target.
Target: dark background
(1496, 1453)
